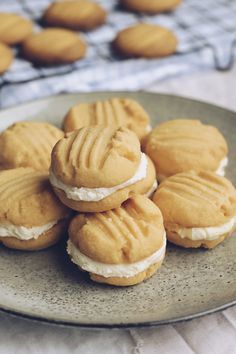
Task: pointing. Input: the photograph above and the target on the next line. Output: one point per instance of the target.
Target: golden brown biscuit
(145, 40)
(31, 216)
(122, 112)
(75, 14)
(54, 46)
(183, 144)
(14, 29)
(199, 208)
(96, 168)
(28, 144)
(6, 58)
(122, 246)
(151, 6)
(46, 240)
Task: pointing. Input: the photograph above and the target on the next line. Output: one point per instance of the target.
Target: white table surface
(213, 334)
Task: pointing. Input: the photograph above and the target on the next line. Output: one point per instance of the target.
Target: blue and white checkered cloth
(207, 39)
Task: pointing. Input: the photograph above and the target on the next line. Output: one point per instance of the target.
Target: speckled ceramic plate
(46, 286)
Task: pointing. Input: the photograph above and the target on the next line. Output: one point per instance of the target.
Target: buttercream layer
(114, 270)
(96, 194)
(207, 233)
(24, 233)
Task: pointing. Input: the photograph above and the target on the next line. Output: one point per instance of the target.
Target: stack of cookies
(31, 216)
(99, 171)
(98, 180)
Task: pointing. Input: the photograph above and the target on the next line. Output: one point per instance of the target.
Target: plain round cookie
(54, 46)
(123, 235)
(150, 6)
(27, 199)
(122, 112)
(145, 40)
(195, 200)
(14, 29)
(6, 58)
(75, 15)
(28, 144)
(183, 144)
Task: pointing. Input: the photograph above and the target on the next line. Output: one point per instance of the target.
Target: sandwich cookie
(54, 46)
(183, 144)
(198, 208)
(122, 112)
(97, 168)
(6, 58)
(151, 6)
(31, 216)
(75, 14)
(28, 144)
(14, 29)
(145, 41)
(121, 247)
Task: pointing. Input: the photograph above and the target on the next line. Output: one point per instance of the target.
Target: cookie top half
(121, 112)
(13, 28)
(75, 14)
(98, 156)
(54, 46)
(145, 40)
(150, 6)
(28, 144)
(27, 199)
(124, 235)
(184, 144)
(196, 199)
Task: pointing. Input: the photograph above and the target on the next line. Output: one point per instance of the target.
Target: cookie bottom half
(47, 239)
(119, 281)
(173, 237)
(115, 199)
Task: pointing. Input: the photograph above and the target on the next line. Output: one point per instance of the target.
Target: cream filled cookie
(31, 216)
(121, 112)
(97, 168)
(121, 247)
(182, 144)
(199, 208)
(28, 144)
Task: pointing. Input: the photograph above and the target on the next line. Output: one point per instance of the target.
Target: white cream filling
(24, 233)
(96, 194)
(207, 233)
(222, 166)
(220, 170)
(152, 189)
(149, 128)
(114, 270)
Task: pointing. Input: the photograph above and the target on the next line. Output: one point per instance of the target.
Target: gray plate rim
(148, 324)
(63, 95)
